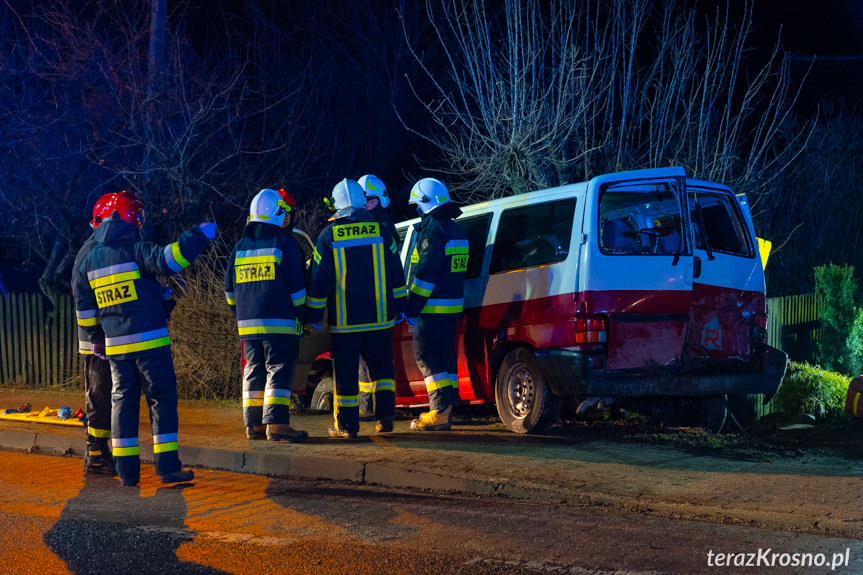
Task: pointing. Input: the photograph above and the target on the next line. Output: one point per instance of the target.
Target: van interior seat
(619, 237)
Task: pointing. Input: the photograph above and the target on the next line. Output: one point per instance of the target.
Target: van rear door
(638, 265)
(728, 294)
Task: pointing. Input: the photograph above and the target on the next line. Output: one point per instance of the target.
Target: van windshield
(641, 219)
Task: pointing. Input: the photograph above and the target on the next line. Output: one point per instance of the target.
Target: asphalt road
(53, 519)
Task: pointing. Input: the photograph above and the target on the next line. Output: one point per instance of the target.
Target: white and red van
(641, 288)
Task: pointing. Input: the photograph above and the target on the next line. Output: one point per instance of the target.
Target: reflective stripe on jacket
(357, 271)
(118, 277)
(437, 264)
(265, 283)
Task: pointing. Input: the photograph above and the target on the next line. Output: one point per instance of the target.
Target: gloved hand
(99, 350)
(411, 321)
(317, 326)
(208, 229)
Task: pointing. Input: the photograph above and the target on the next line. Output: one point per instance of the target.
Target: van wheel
(322, 398)
(524, 403)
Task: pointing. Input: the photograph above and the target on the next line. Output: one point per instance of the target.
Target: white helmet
(429, 193)
(268, 207)
(375, 188)
(348, 194)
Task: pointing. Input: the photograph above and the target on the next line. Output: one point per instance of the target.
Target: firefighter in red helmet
(119, 278)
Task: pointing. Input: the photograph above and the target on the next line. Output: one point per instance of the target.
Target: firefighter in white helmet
(377, 397)
(436, 299)
(357, 275)
(265, 287)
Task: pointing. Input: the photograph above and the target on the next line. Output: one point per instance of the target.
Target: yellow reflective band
(278, 401)
(253, 402)
(433, 384)
(126, 451)
(366, 386)
(341, 275)
(163, 447)
(268, 259)
(289, 329)
(178, 256)
(316, 302)
(232, 301)
(380, 274)
(346, 400)
(361, 327)
(94, 452)
(443, 309)
(139, 346)
(316, 256)
(385, 385)
(88, 322)
(100, 433)
(114, 278)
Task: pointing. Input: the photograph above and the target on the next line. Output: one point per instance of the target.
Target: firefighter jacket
(437, 264)
(265, 284)
(86, 318)
(118, 277)
(356, 268)
(381, 216)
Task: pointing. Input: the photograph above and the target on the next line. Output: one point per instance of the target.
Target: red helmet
(129, 207)
(289, 199)
(102, 209)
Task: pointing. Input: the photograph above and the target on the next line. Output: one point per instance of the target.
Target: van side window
(716, 220)
(533, 236)
(640, 220)
(476, 230)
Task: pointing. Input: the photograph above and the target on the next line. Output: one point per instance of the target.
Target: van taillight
(591, 330)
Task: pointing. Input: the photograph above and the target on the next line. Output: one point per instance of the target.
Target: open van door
(728, 294)
(639, 265)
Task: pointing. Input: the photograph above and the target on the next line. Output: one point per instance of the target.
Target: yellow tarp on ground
(47, 415)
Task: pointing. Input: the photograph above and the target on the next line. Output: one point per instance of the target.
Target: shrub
(204, 338)
(810, 389)
(835, 287)
(854, 347)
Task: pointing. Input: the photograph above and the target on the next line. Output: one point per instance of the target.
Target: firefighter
(377, 398)
(304, 242)
(436, 299)
(119, 277)
(265, 287)
(356, 275)
(97, 371)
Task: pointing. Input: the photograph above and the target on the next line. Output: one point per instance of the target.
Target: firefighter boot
(256, 432)
(384, 426)
(340, 433)
(282, 432)
(433, 420)
(98, 458)
(184, 475)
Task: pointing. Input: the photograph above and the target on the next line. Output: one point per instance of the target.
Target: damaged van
(643, 289)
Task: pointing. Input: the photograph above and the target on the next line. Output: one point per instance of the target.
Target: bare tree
(544, 93)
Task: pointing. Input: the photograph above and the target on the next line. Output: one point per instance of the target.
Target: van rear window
(640, 219)
(718, 224)
(536, 235)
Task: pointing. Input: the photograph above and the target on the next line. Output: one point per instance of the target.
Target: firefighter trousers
(377, 351)
(434, 337)
(152, 373)
(267, 379)
(97, 404)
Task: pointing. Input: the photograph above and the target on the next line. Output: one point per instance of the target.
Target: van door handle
(696, 267)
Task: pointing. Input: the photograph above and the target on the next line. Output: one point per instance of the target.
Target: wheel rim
(521, 389)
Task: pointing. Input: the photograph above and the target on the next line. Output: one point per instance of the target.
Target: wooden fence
(793, 327)
(38, 344)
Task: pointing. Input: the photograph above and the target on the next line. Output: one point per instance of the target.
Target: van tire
(322, 398)
(524, 402)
